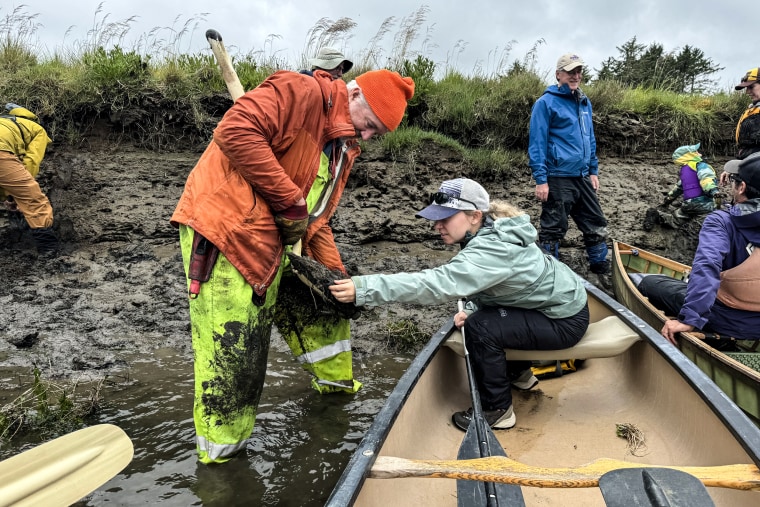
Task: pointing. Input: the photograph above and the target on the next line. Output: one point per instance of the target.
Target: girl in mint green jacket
(518, 296)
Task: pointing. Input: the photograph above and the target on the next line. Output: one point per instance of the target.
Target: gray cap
(329, 58)
(453, 196)
(748, 169)
(732, 166)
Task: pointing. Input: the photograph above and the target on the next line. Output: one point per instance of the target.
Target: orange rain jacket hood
(264, 157)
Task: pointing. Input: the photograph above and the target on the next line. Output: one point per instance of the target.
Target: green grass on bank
(160, 96)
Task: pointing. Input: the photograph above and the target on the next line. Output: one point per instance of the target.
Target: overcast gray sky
(467, 35)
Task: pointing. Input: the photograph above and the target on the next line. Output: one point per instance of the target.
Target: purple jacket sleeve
(714, 245)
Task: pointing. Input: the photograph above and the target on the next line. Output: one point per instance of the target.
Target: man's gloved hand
(668, 200)
(292, 222)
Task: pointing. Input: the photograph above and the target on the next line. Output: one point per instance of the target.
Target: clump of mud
(318, 278)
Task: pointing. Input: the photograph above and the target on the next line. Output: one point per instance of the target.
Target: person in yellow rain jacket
(23, 142)
(258, 189)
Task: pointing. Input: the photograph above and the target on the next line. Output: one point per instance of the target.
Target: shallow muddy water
(297, 451)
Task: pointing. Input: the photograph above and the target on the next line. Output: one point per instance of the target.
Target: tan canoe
(632, 376)
(730, 371)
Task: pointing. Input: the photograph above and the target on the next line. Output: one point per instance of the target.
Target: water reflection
(298, 449)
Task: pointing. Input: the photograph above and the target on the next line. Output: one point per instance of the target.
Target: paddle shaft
(478, 423)
(481, 426)
(506, 470)
(231, 80)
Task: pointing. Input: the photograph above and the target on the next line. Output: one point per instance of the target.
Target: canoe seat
(605, 338)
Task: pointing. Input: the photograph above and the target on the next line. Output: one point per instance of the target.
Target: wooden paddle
(62, 471)
(657, 487)
(480, 442)
(509, 471)
(234, 87)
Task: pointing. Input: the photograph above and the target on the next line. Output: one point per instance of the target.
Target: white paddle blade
(66, 469)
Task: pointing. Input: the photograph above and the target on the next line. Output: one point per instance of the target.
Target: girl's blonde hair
(502, 209)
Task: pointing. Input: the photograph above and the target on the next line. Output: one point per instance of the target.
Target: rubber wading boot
(46, 241)
(17, 221)
(652, 217)
(552, 248)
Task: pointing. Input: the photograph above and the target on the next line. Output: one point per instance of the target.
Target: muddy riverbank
(119, 287)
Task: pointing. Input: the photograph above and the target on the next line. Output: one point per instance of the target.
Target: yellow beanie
(386, 93)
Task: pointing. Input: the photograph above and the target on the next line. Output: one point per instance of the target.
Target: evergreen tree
(686, 71)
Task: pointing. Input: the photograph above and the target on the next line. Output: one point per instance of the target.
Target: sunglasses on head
(443, 198)
(735, 178)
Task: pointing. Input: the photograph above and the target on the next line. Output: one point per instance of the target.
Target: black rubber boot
(600, 268)
(46, 241)
(651, 219)
(17, 221)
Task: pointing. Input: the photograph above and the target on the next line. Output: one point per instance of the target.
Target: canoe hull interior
(564, 421)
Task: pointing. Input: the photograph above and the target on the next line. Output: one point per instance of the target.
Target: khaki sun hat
(329, 58)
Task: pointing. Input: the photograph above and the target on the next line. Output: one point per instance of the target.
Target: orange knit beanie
(386, 93)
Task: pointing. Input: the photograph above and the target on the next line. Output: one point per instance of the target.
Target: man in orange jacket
(258, 188)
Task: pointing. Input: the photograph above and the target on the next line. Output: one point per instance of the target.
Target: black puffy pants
(668, 294)
(491, 330)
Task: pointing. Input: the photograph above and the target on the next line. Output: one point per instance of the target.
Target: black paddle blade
(470, 493)
(658, 487)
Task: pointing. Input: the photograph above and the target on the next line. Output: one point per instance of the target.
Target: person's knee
(649, 284)
(477, 333)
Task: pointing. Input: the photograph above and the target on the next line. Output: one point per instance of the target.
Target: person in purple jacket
(697, 183)
(721, 294)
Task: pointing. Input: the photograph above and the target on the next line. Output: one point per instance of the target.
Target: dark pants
(665, 293)
(575, 198)
(668, 294)
(491, 330)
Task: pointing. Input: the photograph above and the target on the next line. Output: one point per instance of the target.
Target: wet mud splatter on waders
(241, 354)
(298, 307)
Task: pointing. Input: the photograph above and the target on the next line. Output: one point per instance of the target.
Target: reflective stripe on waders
(216, 451)
(326, 352)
